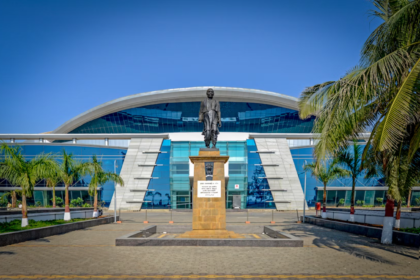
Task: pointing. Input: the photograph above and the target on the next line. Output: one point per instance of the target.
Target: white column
(106, 142)
(74, 141)
(12, 140)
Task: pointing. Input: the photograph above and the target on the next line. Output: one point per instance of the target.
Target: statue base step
(223, 234)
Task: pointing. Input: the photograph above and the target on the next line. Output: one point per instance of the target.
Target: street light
(115, 193)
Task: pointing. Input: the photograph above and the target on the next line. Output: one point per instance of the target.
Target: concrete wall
(47, 216)
(376, 217)
(135, 173)
(278, 162)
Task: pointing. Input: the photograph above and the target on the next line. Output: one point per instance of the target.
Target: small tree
(99, 178)
(52, 180)
(69, 171)
(23, 173)
(352, 161)
(325, 175)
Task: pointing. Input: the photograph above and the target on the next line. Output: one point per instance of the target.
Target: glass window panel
(370, 198)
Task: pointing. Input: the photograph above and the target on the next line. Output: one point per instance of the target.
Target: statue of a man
(211, 118)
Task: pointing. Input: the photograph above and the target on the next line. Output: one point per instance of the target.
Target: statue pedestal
(209, 203)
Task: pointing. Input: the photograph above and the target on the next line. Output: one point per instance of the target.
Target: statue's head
(210, 93)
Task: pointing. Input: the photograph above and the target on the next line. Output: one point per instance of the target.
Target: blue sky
(61, 58)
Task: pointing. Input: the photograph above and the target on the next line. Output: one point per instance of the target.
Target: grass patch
(15, 224)
(411, 230)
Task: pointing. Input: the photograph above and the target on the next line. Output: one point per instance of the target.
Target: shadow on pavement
(7, 253)
(347, 242)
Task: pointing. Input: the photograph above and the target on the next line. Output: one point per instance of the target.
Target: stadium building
(147, 138)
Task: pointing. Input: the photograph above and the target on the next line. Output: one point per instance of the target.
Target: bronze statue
(211, 118)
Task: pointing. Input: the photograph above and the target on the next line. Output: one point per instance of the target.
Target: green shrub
(379, 200)
(3, 202)
(38, 204)
(58, 201)
(86, 205)
(341, 202)
(417, 200)
(77, 202)
(411, 230)
(359, 202)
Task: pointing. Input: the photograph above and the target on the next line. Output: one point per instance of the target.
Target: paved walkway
(90, 253)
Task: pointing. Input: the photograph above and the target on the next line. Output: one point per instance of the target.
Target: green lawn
(15, 224)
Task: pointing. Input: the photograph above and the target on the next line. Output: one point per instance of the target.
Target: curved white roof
(179, 95)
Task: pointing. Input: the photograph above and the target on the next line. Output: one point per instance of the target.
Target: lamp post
(304, 194)
(115, 193)
(304, 198)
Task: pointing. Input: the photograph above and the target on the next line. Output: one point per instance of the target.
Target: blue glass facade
(183, 117)
(107, 155)
(170, 186)
(173, 185)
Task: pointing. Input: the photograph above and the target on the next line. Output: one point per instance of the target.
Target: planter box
(31, 234)
(398, 237)
(45, 214)
(374, 217)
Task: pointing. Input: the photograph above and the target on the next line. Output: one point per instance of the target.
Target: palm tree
(380, 94)
(23, 173)
(12, 194)
(325, 175)
(352, 161)
(99, 178)
(399, 172)
(52, 180)
(69, 171)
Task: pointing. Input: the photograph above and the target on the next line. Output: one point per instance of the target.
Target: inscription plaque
(209, 189)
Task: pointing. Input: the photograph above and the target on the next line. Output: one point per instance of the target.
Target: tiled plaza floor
(90, 253)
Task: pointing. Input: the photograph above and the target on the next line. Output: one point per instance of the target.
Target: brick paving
(327, 254)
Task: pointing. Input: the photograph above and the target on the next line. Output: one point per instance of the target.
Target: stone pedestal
(209, 213)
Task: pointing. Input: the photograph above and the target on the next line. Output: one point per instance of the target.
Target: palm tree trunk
(53, 196)
(388, 223)
(324, 203)
(14, 199)
(353, 192)
(409, 199)
(398, 215)
(67, 215)
(95, 204)
(24, 211)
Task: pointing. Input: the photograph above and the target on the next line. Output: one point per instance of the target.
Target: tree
(24, 173)
(99, 178)
(380, 94)
(12, 194)
(69, 171)
(352, 161)
(52, 180)
(399, 171)
(326, 174)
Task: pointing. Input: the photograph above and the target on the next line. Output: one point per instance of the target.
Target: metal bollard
(146, 221)
(247, 217)
(272, 217)
(171, 221)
